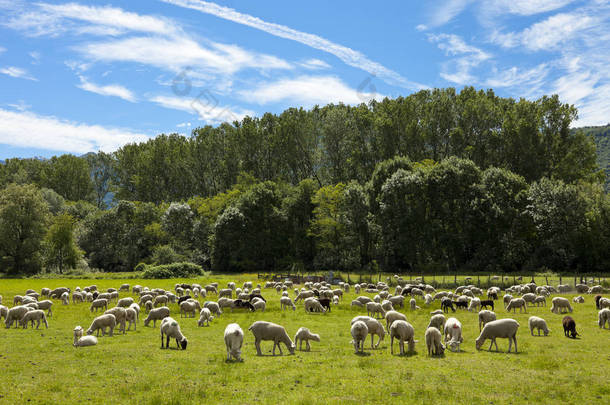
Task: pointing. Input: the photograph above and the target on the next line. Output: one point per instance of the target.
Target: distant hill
(601, 135)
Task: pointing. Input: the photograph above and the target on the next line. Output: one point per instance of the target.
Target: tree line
(438, 180)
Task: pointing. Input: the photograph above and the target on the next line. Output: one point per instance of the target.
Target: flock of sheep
(441, 333)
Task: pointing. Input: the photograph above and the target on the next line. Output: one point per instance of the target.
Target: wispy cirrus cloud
(26, 129)
(114, 90)
(205, 105)
(17, 73)
(349, 56)
(465, 58)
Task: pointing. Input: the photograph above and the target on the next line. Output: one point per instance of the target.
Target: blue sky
(85, 76)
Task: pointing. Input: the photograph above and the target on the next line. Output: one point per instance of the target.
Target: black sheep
(182, 299)
(243, 304)
(325, 303)
(460, 304)
(597, 298)
(487, 303)
(446, 303)
(252, 296)
(569, 327)
(492, 295)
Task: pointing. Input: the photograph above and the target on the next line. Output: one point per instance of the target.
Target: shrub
(173, 270)
(140, 267)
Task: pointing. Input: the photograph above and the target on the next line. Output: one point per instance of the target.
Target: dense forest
(601, 135)
(436, 181)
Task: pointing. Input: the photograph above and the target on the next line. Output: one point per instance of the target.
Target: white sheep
(392, 316)
(189, 308)
(578, 300)
(413, 304)
(125, 302)
(535, 322)
(437, 321)
(453, 334)
(313, 305)
(213, 307)
(502, 328)
(560, 305)
(205, 316)
(433, 342)
(486, 316)
(120, 315)
(3, 312)
(136, 308)
(604, 303)
(364, 300)
(156, 314)
(101, 323)
(171, 329)
(259, 305)
(32, 316)
(374, 328)
(540, 299)
(359, 332)
(131, 316)
(603, 316)
(83, 341)
(304, 334)
(517, 303)
(373, 309)
(160, 300)
(14, 315)
(263, 330)
(397, 301)
(356, 303)
(234, 339)
(475, 304)
(99, 303)
(404, 332)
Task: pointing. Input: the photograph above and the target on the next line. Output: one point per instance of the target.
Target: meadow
(41, 366)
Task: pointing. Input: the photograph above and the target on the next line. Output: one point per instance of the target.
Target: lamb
(374, 328)
(560, 305)
(65, 298)
(35, 315)
(404, 332)
(486, 316)
(517, 303)
(304, 334)
(14, 315)
(578, 300)
(569, 327)
(325, 302)
(101, 323)
(475, 304)
(259, 304)
(120, 315)
(413, 304)
(131, 315)
(437, 321)
(205, 316)
(603, 316)
(604, 303)
(83, 341)
(538, 323)
(336, 300)
(446, 303)
(171, 329)
(234, 339)
(78, 297)
(433, 342)
(453, 333)
(597, 298)
(506, 299)
(263, 330)
(99, 303)
(487, 303)
(373, 308)
(155, 315)
(392, 316)
(502, 328)
(359, 333)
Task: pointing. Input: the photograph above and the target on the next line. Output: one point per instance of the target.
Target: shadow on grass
(362, 354)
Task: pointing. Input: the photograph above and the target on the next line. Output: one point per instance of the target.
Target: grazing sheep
(263, 330)
(3, 312)
(604, 303)
(304, 334)
(364, 300)
(148, 305)
(437, 321)
(287, 302)
(603, 316)
(560, 305)
(502, 328)
(234, 339)
(359, 332)
(569, 327)
(303, 295)
(447, 303)
(392, 316)
(578, 300)
(433, 342)
(517, 303)
(125, 302)
(46, 305)
(487, 303)
(205, 316)
(14, 315)
(397, 301)
(506, 299)
(156, 314)
(101, 323)
(336, 300)
(529, 297)
(35, 315)
(475, 304)
(259, 304)
(136, 308)
(538, 323)
(453, 334)
(213, 307)
(171, 329)
(99, 303)
(131, 316)
(160, 300)
(190, 307)
(373, 309)
(65, 298)
(374, 328)
(356, 303)
(485, 316)
(404, 332)
(120, 315)
(124, 287)
(540, 299)
(413, 304)
(313, 305)
(83, 341)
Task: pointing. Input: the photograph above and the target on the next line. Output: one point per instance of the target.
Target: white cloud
(307, 91)
(522, 7)
(35, 57)
(458, 70)
(315, 64)
(16, 72)
(515, 76)
(114, 90)
(183, 125)
(29, 130)
(2, 49)
(347, 55)
(446, 11)
(555, 30)
(205, 105)
(20, 105)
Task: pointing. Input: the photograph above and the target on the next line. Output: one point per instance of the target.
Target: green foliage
(173, 270)
(601, 137)
(60, 248)
(165, 255)
(69, 176)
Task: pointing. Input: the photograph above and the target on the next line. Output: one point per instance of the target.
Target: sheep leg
(308, 346)
(515, 339)
(392, 344)
(257, 344)
(162, 340)
(372, 341)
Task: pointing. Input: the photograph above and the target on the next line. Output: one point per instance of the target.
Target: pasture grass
(41, 366)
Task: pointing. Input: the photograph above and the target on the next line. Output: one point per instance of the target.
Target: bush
(173, 270)
(140, 267)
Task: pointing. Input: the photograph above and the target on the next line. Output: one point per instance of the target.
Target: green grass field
(42, 366)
